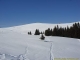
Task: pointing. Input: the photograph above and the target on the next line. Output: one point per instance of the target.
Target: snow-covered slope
(15, 44)
(32, 27)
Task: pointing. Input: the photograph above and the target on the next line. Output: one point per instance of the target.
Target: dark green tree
(48, 32)
(42, 37)
(30, 33)
(37, 32)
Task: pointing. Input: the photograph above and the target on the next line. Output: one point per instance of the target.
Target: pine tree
(30, 33)
(42, 37)
(48, 32)
(54, 31)
(37, 32)
(41, 33)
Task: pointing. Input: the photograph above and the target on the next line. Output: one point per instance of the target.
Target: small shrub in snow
(42, 37)
(29, 33)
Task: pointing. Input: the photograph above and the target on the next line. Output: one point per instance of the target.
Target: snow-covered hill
(14, 45)
(33, 26)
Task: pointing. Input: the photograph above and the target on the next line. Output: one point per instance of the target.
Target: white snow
(15, 45)
(32, 27)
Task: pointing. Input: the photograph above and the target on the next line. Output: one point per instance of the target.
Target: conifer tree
(30, 33)
(42, 37)
(37, 32)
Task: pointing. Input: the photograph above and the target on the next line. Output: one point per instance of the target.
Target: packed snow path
(51, 48)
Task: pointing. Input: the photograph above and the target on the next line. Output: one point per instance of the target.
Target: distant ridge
(33, 26)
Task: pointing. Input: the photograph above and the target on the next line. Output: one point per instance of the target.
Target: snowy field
(15, 46)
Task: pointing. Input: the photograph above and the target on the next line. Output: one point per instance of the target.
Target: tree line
(72, 31)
